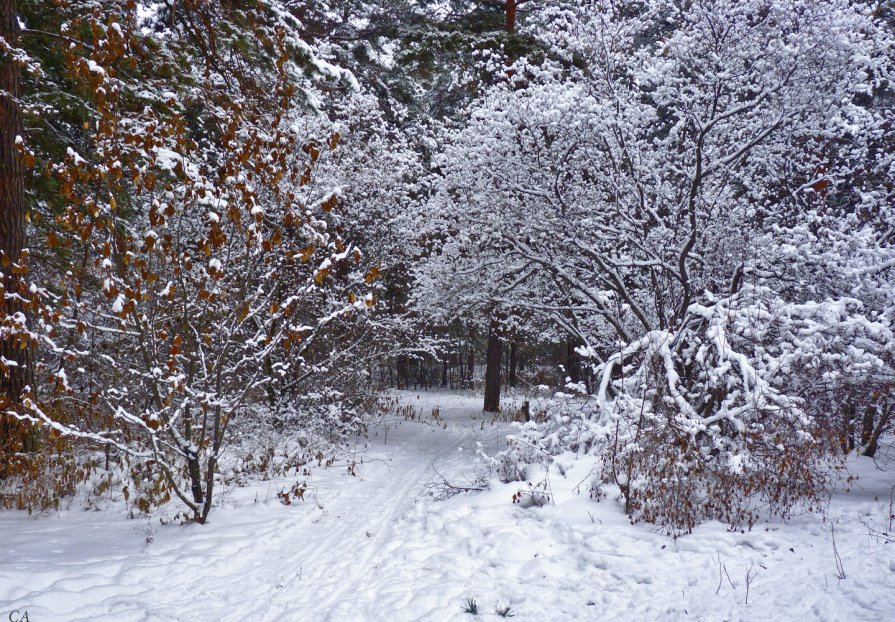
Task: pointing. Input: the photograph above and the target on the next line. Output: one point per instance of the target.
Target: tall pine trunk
(16, 375)
(492, 368)
(511, 6)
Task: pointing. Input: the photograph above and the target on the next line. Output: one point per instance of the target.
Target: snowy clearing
(375, 547)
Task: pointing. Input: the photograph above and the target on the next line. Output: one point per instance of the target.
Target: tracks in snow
(258, 558)
(345, 546)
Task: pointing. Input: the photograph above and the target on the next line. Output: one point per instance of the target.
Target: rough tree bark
(511, 7)
(492, 368)
(17, 374)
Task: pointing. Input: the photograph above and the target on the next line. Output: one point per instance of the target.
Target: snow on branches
(725, 418)
(698, 195)
(203, 263)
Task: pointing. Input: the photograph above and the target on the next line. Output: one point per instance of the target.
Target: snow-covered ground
(376, 547)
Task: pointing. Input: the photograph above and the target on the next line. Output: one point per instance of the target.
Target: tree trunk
(402, 372)
(492, 368)
(882, 424)
(17, 376)
(867, 425)
(470, 366)
(848, 429)
(452, 358)
(511, 7)
(514, 362)
(572, 362)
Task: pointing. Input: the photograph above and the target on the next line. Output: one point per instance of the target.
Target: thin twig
(840, 569)
(749, 578)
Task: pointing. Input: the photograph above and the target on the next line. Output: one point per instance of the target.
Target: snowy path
(379, 549)
(359, 528)
(296, 562)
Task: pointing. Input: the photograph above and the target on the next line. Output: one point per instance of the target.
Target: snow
(75, 156)
(376, 547)
(94, 68)
(167, 160)
(118, 305)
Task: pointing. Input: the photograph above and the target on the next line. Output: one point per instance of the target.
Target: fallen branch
(441, 488)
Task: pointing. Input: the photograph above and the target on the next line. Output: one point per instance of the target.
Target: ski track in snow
(380, 549)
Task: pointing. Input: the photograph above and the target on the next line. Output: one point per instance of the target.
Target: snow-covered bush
(843, 364)
(736, 415)
(571, 423)
(40, 482)
(523, 450)
(324, 415)
(724, 418)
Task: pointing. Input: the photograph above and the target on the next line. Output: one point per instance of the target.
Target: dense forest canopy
(224, 220)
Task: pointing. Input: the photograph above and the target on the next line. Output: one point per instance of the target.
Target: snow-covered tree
(196, 264)
(666, 161)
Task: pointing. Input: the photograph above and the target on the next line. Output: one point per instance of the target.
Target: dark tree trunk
(402, 372)
(445, 363)
(867, 425)
(15, 377)
(514, 362)
(492, 369)
(572, 362)
(470, 366)
(882, 424)
(451, 366)
(511, 7)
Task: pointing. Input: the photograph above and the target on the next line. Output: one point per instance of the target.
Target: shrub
(715, 420)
